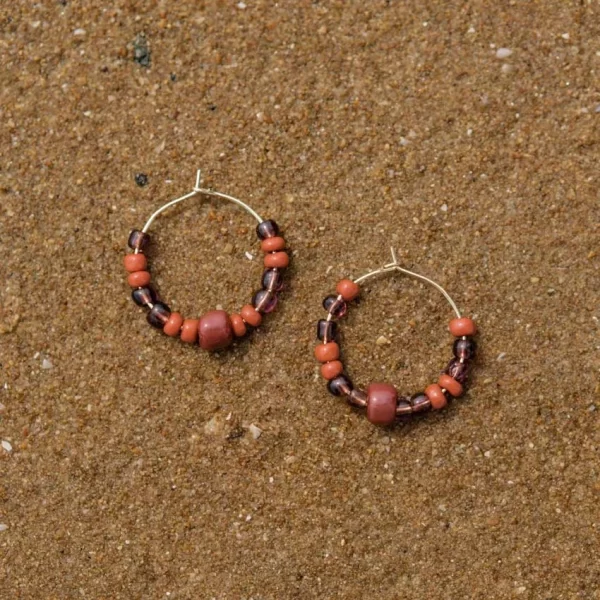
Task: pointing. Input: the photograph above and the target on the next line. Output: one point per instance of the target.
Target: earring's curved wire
(394, 266)
(198, 190)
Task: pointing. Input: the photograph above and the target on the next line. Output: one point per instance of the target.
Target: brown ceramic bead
(357, 398)
(420, 402)
(347, 289)
(135, 262)
(381, 403)
(436, 396)
(189, 331)
(138, 279)
(251, 315)
(159, 315)
(332, 369)
(239, 327)
(327, 352)
(138, 240)
(214, 330)
(273, 244)
(450, 384)
(462, 326)
(173, 325)
(277, 260)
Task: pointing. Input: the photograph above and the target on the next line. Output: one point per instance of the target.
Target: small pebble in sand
(79, 31)
(444, 208)
(501, 356)
(597, 109)
(249, 256)
(2, 408)
(255, 431)
(3, 527)
(141, 179)
(503, 52)
(382, 340)
(241, 5)
(47, 364)
(7, 445)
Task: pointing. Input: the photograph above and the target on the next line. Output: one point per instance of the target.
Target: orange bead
(138, 279)
(450, 384)
(436, 396)
(173, 325)
(277, 260)
(239, 327)
(331, 369)
(189, 331)
(251, 315)
(135, 262)
(327, 352)
(462, 326)
(347, 289)
(273, 244)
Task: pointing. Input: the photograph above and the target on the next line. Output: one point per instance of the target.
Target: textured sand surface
(465, 134)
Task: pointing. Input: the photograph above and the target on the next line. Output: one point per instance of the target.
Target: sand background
(356, 125)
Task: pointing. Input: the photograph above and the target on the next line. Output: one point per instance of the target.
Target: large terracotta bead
(135, 262)
(381, 403)
(462, 326)
(450, 384)
(327, 352)
(436, 396)
(189, 331)
(347, 289)
(214, 330)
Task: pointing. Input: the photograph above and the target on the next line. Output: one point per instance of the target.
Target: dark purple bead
(457, 370)
(144, 296)
(403, 406)
(336, 306)
(326, 330)
(340, 386)
(264, 301)
(357, 398)
(420, 402)
(267, 229)
(159, 314)
(464, 348)
(138, 240)
(272, 280)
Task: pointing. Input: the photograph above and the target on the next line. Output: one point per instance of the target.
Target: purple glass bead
(340, 386)
(326, 330)
(464, 349)
(272, 280)
(138, 240)
(264, 301)
(420, 402)
(336, 306)
(403, 406)
(357, 398)
(144, 296)
(159, 314)
(267, 229)
(457, 370)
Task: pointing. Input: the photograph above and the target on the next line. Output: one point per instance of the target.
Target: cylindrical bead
(264, 301)
(381, 403)
(214, 330)
(462, 326)
(251, 315)
(159, 315)
(403, 407)
(144, 296)
(173, 325)
(449, 383)
(272, 244)
(340, 386)
(436, 396)
(239, 327)
(332, 369)
(138, 240)
(357, 398)
(138, 279)
(420, 402)
(464, 348)
(327, 352)
(135, 262)
(189, 331)
(457, 370)
(267, 229)
(272, 280)
(336, 306)
(276, 260)
(326, 330)
(347, 289)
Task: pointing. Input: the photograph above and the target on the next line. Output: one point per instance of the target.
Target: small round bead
(332, 369)
(267, 229)
(173, 325)
(403, 407)
(420, 402)
(264, 301)
(449, 383)
(436, 396)
(214, 330)
(462, 326)
(381, 403)
(144, 296)
(138, 279)
(464, 349)
(357, 398)
(336, 306)
(239, 327)
(347, 289)
(457, 370)
(159, 315)
(135, 262)
(273, 244)
(340, 386)
(272, 280)
(138, 240)
(277, 260)
(251, 315)
(189, 331)
(326, 330)
(327, 352)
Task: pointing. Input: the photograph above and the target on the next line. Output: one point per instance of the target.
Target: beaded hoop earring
(216, 329)
(381, 399)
